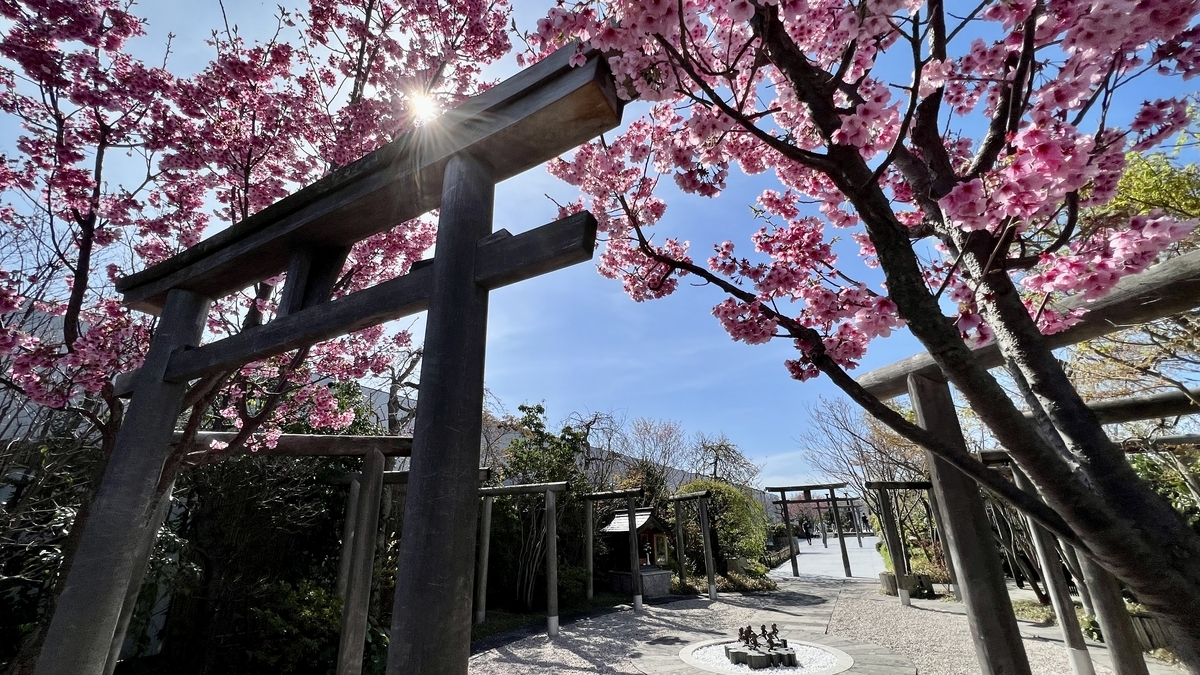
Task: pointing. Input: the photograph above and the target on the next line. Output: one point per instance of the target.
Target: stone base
(761, 658)
(917, 585)
(656, 582)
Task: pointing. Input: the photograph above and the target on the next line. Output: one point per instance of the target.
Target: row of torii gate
(360, 532)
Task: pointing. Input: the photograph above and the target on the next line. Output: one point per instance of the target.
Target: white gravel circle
(811, 660)
(814, 659)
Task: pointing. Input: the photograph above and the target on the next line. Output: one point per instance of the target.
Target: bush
(738, 521)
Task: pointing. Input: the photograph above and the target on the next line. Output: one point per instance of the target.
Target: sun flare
(423, 107)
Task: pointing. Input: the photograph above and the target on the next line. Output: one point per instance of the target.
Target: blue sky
(573, 339)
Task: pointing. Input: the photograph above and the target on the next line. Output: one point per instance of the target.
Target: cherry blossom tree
(118, 164)
(957, 147)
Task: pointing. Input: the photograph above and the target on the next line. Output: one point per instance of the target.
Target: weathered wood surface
(1153, 406)
(307, 445)
(819, 500)
(803, 488)
(481, 567)
(551, 565)
(501, 261)
(837, 524)
(528, 488)
(990, 617)
(395, 477)
(899, 485)
(1120, 638)
(690, 495)
(1132, 446)
(88, 611)
(787, 524)
(616, 494)
(680, 558)
(543, 111)
(706, 537)
(436, 571)
(589, 524)
(1163, 290)
(1056, 586)
(635, 567)
(362, 564)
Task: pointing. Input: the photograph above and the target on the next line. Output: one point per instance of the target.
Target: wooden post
(1123, 645)
(589, 516)
(1056, 585)
(135, 583)
(821, 525)
(485, 542)
(1072, 560)
(635, 566)
(343, 578)
(941, 535)
(551, 565)
(362, 565)
(437, 551)
(787, 523)
(679, 551)
(837, 523)
(85, 620)
(857, 522)
(887, 520)
(706, 534)
(989, 609)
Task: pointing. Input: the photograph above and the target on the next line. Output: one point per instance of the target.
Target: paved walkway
(866, 563)
(650, 642)
(817, 560)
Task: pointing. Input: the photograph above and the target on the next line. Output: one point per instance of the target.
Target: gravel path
(604, 644)
(938, 641)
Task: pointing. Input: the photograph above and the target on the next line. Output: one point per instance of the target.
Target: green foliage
(1032, 610)
(538, 456)
(1169, 483)
(738, 521)
(517, 553)
(1157, 181)
(299, 628)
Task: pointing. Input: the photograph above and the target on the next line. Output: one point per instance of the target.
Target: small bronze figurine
(774, 631)
(742, 636)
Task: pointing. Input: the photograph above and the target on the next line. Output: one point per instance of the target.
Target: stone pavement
(817, 560)
(1043, 633)
(866, 563)
(801, 609)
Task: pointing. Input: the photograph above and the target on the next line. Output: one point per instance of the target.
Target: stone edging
(844, 660)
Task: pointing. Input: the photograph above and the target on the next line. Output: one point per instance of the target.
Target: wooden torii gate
(373, 449)
(452, 163)
(485, 536)
(1169, 288)
(832, 488)
(891, 530)
(359, 537)
(705, 536)
(635, 567)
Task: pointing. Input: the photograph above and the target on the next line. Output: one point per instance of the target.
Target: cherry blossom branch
(810, 159)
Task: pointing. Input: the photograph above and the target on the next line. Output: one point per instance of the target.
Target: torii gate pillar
(989, 609)
(435, 578)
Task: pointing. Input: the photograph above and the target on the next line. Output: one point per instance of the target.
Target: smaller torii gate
(485, 536)
(635, 567)
(359, 536)
(891, 531)
(833, 504)
(705, 535)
